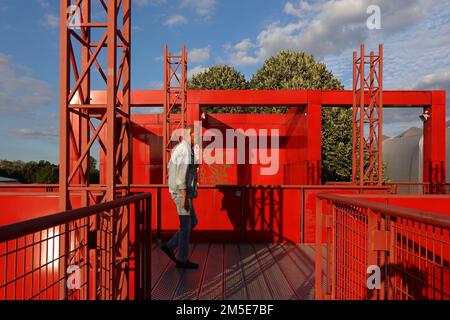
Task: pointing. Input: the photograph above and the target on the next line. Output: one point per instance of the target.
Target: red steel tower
(368, 117)
(175, 101)
(87, 46)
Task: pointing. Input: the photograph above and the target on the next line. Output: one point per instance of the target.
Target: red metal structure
(175, 89)
(82, 122)
(77, 111)
(310, 104)
(105, 230)
(411, 247)
(33, 263)
(368, 115)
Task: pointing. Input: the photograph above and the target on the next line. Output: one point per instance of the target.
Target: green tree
(296, 70)
(42, 172)
(94, 173)
(220, 77)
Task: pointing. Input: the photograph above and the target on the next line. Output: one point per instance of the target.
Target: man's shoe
(187, 265)
(169, 253)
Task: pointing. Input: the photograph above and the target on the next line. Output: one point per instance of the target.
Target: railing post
(325, 220)
(391, 258)
(148, 248)
(378, 249)
(319, 250)
(372, 258)
(332, 247)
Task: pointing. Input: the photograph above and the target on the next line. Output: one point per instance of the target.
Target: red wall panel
(147, 146)
(20, 207)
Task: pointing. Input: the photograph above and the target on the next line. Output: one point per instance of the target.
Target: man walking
(183, 188)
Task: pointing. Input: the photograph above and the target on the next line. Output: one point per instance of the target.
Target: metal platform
(237, 272)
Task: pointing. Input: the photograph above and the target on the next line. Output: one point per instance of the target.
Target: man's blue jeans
(188, 221)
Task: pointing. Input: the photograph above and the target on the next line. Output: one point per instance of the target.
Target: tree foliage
(298, 71)
(220, 77)
(42, 172)
(294, 70)
(39, 172)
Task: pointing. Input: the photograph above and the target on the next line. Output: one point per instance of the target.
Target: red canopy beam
(155, 98)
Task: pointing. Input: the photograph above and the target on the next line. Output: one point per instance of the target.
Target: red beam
(154, 98)
(391, 99)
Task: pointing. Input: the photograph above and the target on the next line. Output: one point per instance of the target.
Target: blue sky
(242, 33)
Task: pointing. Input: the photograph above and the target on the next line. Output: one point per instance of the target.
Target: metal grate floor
(237, 272)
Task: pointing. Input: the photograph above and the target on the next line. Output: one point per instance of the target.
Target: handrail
(235, 186)
(24, 228)
(204, 186)
(417, 183)
(431, 218)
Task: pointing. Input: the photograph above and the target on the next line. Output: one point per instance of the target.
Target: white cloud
(324, 28)
(435, 81)
(198, 55)
(175, 20)
(43, 3)
(19, 92)
(244, 45)
(51, 21)
(302, 9)
(27, 133)
(144, 3)
(240, 55)
(201, 7)
(195, 71)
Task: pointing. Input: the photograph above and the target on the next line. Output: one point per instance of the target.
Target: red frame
(314, 100)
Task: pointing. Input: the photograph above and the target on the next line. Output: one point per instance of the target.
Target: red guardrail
(97, 252)
(420, 188)
(410, 248)
(265, 213)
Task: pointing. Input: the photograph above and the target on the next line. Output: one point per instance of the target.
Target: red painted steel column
(84, 137)
(314, 138)
(125, 225)
(319, 251)
(111, 99)
(355, 128)
(175, 93)
(193, 113)
(434, 142)
(367, 147)
(64, 201)
(63, 104)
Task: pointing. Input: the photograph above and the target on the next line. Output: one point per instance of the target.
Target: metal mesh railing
(351, 252)
(419, 188)
(99, 252)
(409, 248)
(419, 262)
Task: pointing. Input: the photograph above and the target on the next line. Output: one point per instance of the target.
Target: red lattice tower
(175, 101)
(88, 46)
(368, 117)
